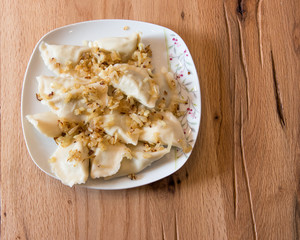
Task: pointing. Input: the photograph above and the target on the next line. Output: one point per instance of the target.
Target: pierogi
(110, 113)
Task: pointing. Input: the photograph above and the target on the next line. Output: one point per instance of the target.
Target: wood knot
(171, 184)
(216, 117)
(167, 185)
(182, 15)
(296, 38)
(69, 202)
(178, 181)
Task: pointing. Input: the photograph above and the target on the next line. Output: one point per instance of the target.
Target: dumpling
(58, 57)
(165, 131)
(135, 82)
(140, 160)
(71, 164)
(46, 123)
(119, 124)
(125, 46)
(107, 161)
(167, 88)
(64, 96)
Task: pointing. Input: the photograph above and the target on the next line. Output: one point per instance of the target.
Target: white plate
(168, 50)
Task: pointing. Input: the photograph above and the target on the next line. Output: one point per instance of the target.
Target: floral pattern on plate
(181, 64)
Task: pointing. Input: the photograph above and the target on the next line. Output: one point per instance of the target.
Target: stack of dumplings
(109, 114)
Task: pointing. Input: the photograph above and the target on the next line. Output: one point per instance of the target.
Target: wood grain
(244, 173)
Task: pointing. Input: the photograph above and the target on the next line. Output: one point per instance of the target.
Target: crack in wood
(241, 10)
(297, 216)
(230, 46)
(221, 105)
(297, 213)
(163, 232)
(235, 191)
(258, 20)
(219, 131)
(247, 176)
(244, 64)
(228, 32)
(176, 227)
(279, 105)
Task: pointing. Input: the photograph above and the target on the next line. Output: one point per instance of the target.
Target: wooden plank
(243, 91)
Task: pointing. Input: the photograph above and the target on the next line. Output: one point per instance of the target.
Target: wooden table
(242, 180)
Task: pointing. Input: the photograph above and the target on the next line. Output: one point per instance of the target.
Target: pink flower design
(193, 115)
(189, 110)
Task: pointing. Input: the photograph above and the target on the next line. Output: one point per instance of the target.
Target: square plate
(168, 50)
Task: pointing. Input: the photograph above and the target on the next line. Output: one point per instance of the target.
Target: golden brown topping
(38, 97)
(132, 176)
(75, 155)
